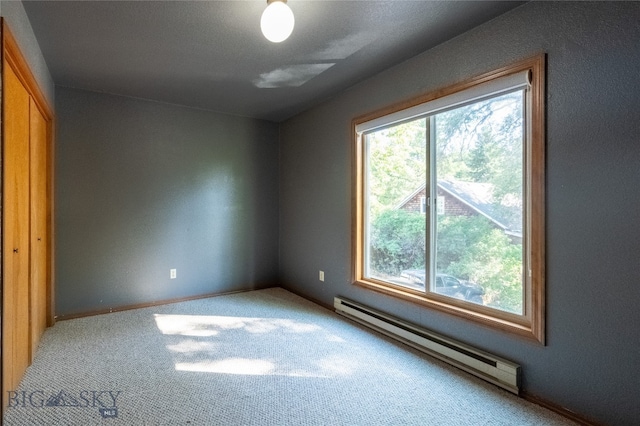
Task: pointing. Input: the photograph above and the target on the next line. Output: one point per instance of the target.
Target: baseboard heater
(488, 367)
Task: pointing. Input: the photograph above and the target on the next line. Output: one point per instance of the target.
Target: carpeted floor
(265, 357)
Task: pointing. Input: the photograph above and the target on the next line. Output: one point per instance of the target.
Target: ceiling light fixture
(277, 21)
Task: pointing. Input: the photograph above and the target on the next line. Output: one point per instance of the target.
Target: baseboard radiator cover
(491, 368)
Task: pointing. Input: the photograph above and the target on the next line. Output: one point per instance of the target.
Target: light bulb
(277, 21)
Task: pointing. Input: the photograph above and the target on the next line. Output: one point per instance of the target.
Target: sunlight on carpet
(202, 325)
(202, 356)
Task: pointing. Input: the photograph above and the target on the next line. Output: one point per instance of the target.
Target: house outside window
(479, 146)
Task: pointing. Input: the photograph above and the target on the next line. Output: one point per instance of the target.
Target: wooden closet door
(15, 326)
(39, 237)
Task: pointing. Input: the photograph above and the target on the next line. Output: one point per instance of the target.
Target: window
(479, 146)
(423, 205)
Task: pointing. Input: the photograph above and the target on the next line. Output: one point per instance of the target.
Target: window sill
(511, 323)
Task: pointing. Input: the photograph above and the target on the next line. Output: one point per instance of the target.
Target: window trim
(531, 324)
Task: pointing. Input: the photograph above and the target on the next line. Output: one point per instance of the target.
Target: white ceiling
(212, 55)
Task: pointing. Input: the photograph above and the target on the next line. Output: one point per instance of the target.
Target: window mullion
(432, 193)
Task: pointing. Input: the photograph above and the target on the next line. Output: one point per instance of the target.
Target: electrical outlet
(321, 275)
(172, 273)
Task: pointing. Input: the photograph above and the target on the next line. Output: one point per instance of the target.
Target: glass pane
(395, 216)
(479, 172)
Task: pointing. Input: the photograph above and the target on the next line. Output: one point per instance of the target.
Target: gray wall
(143, 187)
(20, 27)
(591, 362)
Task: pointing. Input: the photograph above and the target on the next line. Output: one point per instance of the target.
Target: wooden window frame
(531, 324)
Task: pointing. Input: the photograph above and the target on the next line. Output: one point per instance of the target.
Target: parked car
(448, 285)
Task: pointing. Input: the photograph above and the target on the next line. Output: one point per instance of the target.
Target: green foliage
(397, 163)
(456, 235)
(397, 241)
(471, 249)
(482, 142)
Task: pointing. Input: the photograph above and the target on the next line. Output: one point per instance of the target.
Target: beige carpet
(264, 357)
